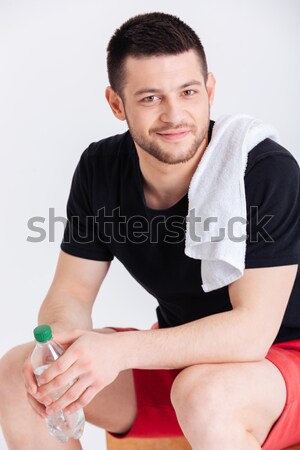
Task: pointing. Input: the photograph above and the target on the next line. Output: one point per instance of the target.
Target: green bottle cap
(42, 333)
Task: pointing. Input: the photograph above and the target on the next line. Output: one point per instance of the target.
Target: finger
(29, 377)
(59, 366)
(82, 401)
(57, 383)
(37, 407)
(70, 396)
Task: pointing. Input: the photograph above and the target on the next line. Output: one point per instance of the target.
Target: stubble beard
(157, 150)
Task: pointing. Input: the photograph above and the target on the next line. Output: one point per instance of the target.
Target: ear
(210, 87)
(115, 102)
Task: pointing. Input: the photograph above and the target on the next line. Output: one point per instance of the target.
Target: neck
(165, 184)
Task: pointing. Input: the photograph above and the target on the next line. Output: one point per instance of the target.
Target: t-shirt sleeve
(273, 210)
(81, 236)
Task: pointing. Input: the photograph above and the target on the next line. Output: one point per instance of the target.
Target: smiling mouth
(174, 135)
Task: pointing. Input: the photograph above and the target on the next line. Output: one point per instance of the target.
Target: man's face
(167, 105)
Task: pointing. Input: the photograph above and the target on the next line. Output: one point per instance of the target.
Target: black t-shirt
(108, 217)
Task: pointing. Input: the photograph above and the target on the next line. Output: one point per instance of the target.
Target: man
(223, 367)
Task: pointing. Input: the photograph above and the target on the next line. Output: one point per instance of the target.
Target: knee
(7, 366)
(199, 395)
(11, 367)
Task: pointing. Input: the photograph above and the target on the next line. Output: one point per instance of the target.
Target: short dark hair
(150, 34)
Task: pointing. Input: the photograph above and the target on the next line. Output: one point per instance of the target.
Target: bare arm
(68, 305)
(69, 301)
(245, 333)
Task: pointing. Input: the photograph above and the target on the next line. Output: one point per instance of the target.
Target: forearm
(220, 338)
(64, 311)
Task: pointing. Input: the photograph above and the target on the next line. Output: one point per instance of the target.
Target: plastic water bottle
(45, 352)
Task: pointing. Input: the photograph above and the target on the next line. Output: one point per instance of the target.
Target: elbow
(254, 353)
(258, 335)
(260, 346)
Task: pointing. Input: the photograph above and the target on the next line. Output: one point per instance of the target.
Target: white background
(52, 82)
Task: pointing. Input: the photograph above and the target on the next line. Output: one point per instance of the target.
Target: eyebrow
(156, 91)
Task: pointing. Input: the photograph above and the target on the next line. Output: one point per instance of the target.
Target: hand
(92, 359)
(31, 388)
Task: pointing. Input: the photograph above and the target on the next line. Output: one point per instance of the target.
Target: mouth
(172, 135)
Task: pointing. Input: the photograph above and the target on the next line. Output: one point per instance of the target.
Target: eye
(189, 92)
(149, 99)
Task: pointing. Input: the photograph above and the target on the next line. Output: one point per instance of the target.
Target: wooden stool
(177, 443)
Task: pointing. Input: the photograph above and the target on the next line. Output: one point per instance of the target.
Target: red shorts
(157, 418)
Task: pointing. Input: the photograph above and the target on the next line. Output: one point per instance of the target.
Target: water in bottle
(45, 352)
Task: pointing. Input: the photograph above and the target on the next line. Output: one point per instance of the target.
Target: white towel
(217, 194)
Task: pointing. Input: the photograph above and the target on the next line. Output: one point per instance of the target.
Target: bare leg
(23, 429)
(114, 408)
(228, 406)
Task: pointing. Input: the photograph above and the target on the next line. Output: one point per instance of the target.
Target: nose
(172, 111)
